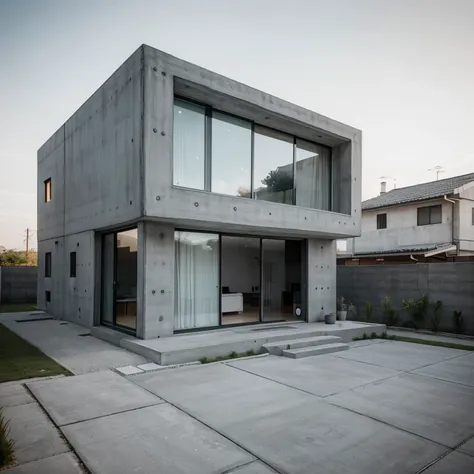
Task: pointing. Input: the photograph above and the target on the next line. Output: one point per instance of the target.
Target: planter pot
(341, 315)
(330, 318)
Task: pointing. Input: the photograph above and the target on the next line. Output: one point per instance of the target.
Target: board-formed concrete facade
(110, 167)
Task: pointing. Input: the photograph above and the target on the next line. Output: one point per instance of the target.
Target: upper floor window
(47, 190)
(429, 215)
(381, 221)
(72, 264)
(221, 153)
(47, 264)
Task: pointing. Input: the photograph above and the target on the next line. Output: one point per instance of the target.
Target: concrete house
(176, 199)
(427, 222)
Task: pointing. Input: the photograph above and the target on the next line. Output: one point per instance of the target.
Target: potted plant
(330, 318)
(341, 308)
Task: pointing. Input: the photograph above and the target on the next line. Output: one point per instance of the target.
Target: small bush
(251, 352)
(389, 311)
(364, 336)
(204, 360)
(437, 312)
(368, 311)
(373, 335)
(416, 310)
(7, 454)
(458, 322)
(384, 335)
(233, 355)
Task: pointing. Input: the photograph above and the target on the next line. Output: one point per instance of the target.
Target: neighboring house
(427, 222)
(177, 199)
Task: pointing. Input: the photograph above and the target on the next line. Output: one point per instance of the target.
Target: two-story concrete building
(427, 222)
(177, 199)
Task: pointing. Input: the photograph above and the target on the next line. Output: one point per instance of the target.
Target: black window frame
(421, 219)
(72, 264)
(208, 151)
(48, 190)
(48, 260)
(382, 221)
(47, 296)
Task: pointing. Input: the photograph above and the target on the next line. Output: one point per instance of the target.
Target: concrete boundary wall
(452, 283)
(18, 284)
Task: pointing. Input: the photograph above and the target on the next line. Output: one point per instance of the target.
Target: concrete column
(321, 278)
(155, 282)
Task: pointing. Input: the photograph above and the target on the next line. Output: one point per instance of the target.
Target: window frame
(48, 263)
(381, 221)
(72, 264)
(253, 125)
(47, 296)
(48, 190)
(429, 210)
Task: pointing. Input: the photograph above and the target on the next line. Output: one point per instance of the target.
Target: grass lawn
(16, 307)
(20, 360)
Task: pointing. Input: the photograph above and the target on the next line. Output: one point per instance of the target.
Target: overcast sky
(402, 71)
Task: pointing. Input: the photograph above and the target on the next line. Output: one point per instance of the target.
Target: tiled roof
(418, 192)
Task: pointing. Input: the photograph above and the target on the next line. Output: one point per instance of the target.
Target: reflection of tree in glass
(278, 180)
(242, 191)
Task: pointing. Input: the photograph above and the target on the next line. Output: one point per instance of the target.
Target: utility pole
(27, 239)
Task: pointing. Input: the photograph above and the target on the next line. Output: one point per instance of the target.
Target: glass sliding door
(196, 280)
(282, 280)
(240, 280)
(119, 279)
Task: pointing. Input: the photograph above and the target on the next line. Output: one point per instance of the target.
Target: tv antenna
(438, 169)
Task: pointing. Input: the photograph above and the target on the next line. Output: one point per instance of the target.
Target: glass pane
(313, 176)
(423, 215)
(273, 166)
(231, 155)
(196, 280)
(188, 144)
(240, 279)
(435, 215)
(108, 251)
(126, 279)
(281, 282)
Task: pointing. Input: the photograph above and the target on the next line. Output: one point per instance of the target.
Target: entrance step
(315, 350)
(277, 347)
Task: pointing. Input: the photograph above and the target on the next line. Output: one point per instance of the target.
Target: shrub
(416, 310)
(364, 336)
(368, 311)
(7, 455)
(389, 311)
(251, 352)
(340, 305)
(437, 312)
(373, 335)
(458, 322)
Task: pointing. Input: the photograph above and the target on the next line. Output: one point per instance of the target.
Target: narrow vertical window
(47, 295)
(72, 264)
(381, 221)
(47, 190)
(47, 264)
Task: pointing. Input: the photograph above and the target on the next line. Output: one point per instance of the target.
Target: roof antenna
(438, 169)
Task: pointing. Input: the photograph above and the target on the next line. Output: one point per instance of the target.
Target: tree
(278, 180)
(13, 258)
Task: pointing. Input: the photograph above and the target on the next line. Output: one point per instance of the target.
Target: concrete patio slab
(292, 431)
(453, 463)
(72, 399)
(158, 439)
(150, 366)
(34, 435)
(316, 374)
(60, 464)
(468, 447)
(14, 393)
(432, 408)
(400, 355)
(255, 467)
(129, 370)
(459, 370)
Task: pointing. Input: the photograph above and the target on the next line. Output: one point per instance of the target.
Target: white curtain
(313, 176)
(196, 280)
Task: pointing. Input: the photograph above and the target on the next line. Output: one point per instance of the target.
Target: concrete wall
(452, 283)
(402, 230)
(18, 284)
(465, 211)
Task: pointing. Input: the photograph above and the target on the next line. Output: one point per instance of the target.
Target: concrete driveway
(381, 407)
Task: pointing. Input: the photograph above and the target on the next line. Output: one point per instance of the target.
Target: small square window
(381, 221)
(47, 264)
(47, 295)
(72, 264)
(47, 190)
(429, 215)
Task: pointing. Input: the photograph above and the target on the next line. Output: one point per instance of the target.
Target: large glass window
(231, 155)
(429, 215)
(189, 138)
(313, 176)
(196, 280)
(273, 166)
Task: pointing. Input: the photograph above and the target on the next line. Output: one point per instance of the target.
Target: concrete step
(277, 347)
(314, 350)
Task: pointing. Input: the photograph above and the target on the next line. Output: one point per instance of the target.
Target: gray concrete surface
(430, 336)
(65, 463)
(158, 439)
(13, 394)
(73, 399)
(34, 435)
(18, 284)
(258, 418)
(62, 341)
